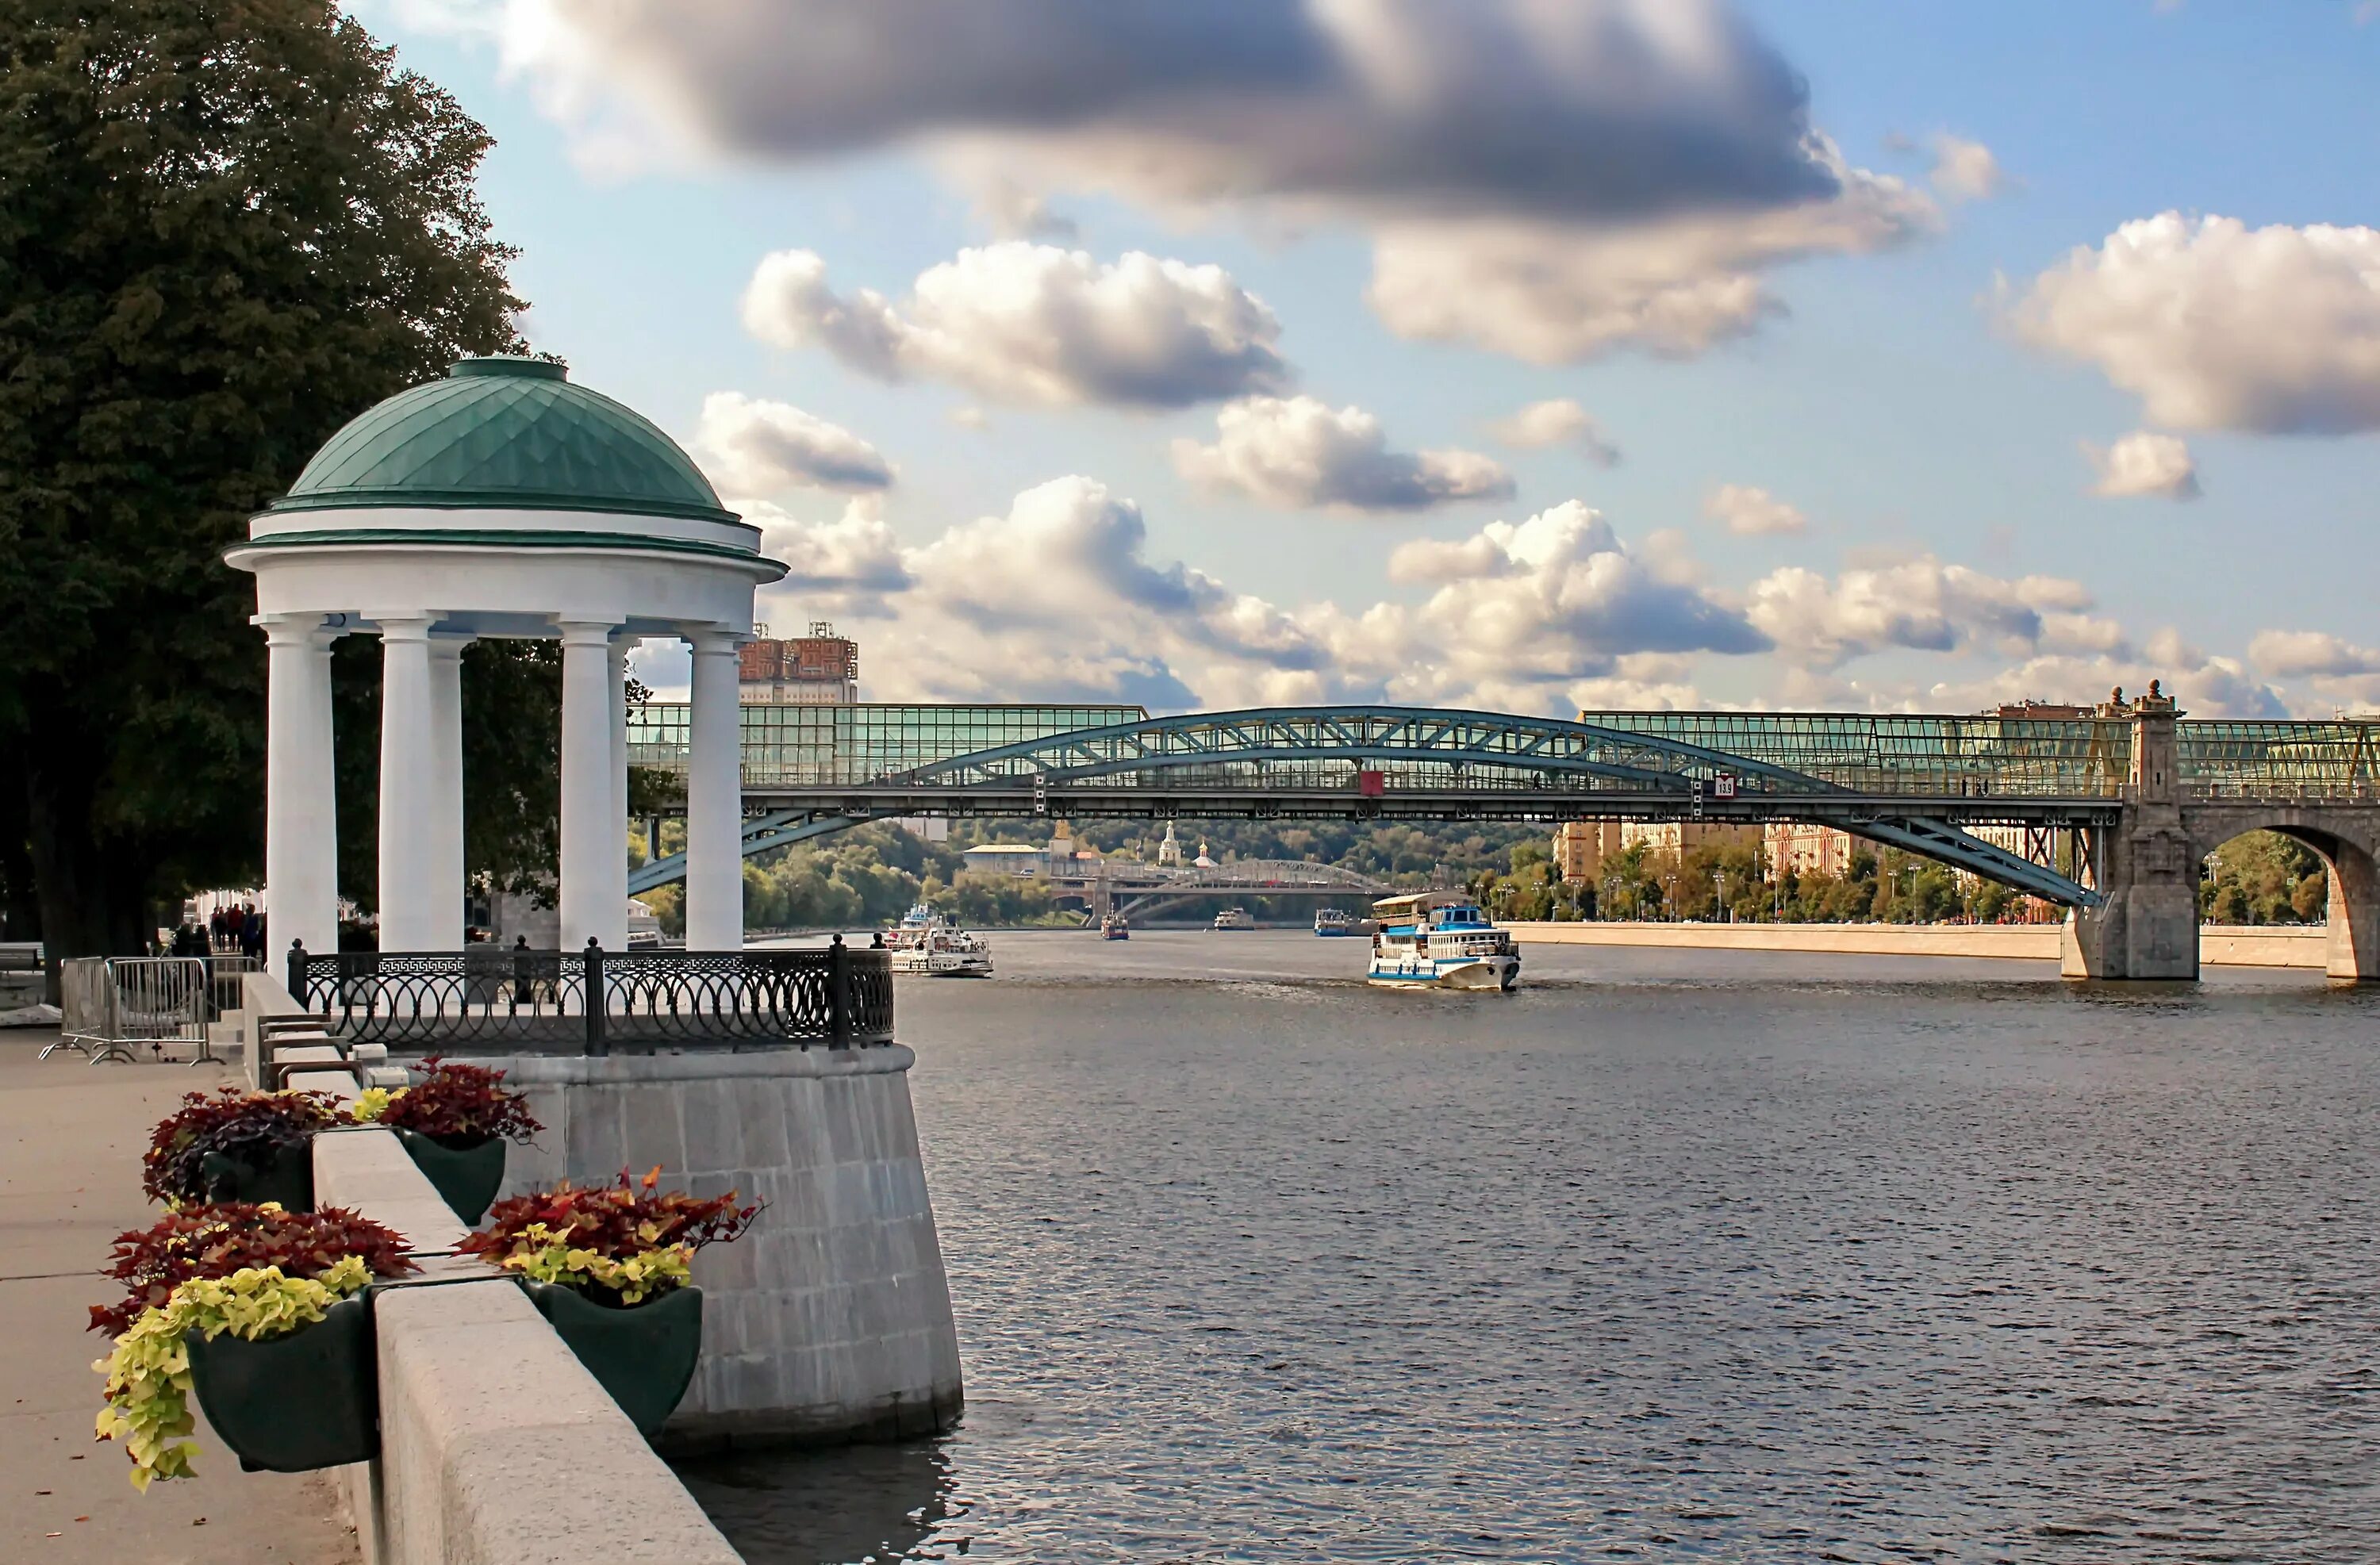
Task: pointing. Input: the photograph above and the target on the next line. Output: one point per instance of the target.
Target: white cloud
(1555, 293)
(2218, 326)
(1559, 585)
(1557, 421)
(850, 561)
(1060, 598)
(1055, 598)
(1033, 323)
(2205, 686)
(1297, 452)
(1552, 180)
(1016, 213)
(1918, 605)
(970, 417)
(1964, 170)
(2143, 463)
(753, 449)
(1748, 511)
(2288, 652)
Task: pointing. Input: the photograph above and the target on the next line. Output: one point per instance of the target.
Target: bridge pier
(2353, 917)
(2147, 925)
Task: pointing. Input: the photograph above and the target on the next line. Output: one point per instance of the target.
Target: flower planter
(289, 1180)
(298, 1402)
(467, 1171)
(644, 1355)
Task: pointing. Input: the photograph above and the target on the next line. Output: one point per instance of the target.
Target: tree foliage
(2264, 877)
(226, 226)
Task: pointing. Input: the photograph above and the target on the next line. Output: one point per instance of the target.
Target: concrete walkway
(71, 1137)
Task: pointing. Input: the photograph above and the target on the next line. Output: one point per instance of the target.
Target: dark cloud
(1591, 109)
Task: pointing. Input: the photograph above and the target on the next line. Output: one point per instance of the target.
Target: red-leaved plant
(458, 1105)
(250, 1128)
(222, 1240)
(617, 1245)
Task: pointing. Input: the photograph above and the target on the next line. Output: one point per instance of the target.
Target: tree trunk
(20, 907)
(94, 889)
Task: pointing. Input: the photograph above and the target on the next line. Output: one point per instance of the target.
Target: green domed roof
(500, 433)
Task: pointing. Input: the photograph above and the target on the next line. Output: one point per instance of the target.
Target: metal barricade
(114, 1004)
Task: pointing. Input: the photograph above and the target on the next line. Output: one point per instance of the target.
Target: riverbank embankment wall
(2220, 945)
(830, 1321)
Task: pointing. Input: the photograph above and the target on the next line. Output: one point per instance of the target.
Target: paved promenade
(70, 1142)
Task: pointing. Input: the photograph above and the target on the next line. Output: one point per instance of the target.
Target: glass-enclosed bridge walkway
(1905, 782)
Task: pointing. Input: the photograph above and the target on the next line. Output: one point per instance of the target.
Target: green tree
(226, 226)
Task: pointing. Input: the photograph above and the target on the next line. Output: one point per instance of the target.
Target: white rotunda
(500, 500)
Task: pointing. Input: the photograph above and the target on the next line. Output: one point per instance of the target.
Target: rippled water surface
(1669, 1257)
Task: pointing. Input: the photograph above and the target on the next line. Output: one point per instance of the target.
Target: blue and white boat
(1441, 940)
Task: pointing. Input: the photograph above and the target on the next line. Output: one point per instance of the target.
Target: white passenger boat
(1441, 940)
(1234, 918)
(1335, 921)
(924, 944)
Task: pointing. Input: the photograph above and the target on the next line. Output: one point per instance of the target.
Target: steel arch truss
(1400, 762)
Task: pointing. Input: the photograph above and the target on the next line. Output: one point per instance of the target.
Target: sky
(1525, 355)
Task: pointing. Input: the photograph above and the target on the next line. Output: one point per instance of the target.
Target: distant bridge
(1143, 891)
(2127, 798)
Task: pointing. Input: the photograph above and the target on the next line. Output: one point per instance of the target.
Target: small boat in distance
(1440, 939)
(1335, 921)
(1115, 927)
(1234, 918)
(926, 945)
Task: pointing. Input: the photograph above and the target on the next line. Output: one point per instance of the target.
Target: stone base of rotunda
(830, 1321)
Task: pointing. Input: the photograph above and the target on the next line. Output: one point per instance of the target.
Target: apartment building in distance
(1804, 849)
(1582, 847)
(818, 670)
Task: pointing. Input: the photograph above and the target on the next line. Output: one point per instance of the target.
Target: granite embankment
(2220, 945)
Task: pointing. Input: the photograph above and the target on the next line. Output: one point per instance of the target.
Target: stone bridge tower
(2148, 926)
(2148, 865)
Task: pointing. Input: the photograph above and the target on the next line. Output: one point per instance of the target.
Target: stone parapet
(496, 1445)
(831, 1320)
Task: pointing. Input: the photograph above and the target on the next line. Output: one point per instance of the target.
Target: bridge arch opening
(2350, 905)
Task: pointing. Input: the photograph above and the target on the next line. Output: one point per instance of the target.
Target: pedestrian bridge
(1904, 781)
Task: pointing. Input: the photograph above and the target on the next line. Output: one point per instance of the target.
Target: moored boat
(926, 945)
(1441, 940)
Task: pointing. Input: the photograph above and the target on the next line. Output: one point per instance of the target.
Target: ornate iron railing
(597, 1002)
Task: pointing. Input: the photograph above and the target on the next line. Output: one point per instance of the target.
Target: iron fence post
(596, 1004)
(296, 975)
(838, 994)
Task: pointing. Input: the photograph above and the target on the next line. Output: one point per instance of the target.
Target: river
(1668, 1255)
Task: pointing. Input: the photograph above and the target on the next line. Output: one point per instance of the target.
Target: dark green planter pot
(643, 1356)
(289, 1181)
(298, 1402)
(468, 1177)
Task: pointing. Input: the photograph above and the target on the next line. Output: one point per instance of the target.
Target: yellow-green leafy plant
(256, 1272)
(617, 1245)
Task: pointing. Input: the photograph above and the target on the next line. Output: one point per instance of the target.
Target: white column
(446, 820)
(408, 788)
(714, 800)
(593, 851)
(619, 859)
(301, 824)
